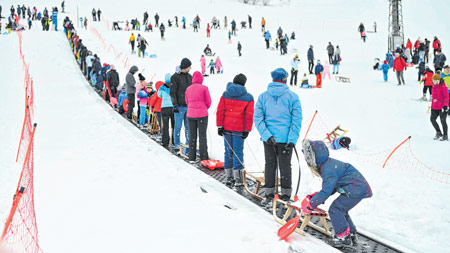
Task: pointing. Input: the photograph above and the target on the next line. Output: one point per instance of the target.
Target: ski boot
(230, 179)
(340, 242)
(267, 202)
(444, 138)
(438, 136)
(355, 239)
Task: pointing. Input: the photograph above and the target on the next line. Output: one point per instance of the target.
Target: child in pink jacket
(203, 64)
(218, 65)
(439, 106)
(326, 70)
(142, 96)
(198, 102)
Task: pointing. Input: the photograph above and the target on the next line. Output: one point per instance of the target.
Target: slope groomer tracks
(368, 244)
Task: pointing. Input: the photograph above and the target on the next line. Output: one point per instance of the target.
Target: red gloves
(306, 203)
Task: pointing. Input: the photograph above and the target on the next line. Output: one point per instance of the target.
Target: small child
(428, 83)
(421, 68)
(277, 42)
(305, 83)
(326, 70)
(341, 142)
(338, 177)
(385, 67)
(218, 65)
(212, 67)
(122, 97)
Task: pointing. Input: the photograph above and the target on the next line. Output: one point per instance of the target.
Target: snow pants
(385, 76)
(339, 213)
(294, 74)
(167, 114)
(198, 125)
(434, 115)
(234, 150)
(180, 118)
(143, 114)
(319, 80)
(131, 102)
(271, 153)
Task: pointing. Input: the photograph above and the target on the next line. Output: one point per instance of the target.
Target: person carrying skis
(132, 41)
(294, 69)
(318, 71)
(399, 67)
(278, 118)
(267, 38)
(212, 67)
(131, 90)
(166, 110)
(385, 67)
(338, 177)
(198, 101)
(427, 81)
(181, 80)
(439, 107)
(203, 64)
(234, 120)
(310, 55)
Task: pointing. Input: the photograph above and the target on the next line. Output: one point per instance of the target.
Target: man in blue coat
(278, 118)
(267, 38)
(55, 18)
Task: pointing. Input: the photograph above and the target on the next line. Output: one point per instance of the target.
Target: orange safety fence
(20, 233)
(400, 157)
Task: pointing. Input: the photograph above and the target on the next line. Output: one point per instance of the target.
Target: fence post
(312, 120)
(395, 149)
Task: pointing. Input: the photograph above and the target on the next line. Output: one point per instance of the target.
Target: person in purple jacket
(338, 177)
(198, 102)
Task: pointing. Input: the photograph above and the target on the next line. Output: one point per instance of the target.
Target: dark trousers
(425, 88)
(167, 113)
(198, 125)
(132, 45)
(211, 71)
(131, 102)
(294, 76)
(283, 162)
(339, 214)
(267, 44)
(239, 52)
(310, 66)
(443, 116)
(330, 58)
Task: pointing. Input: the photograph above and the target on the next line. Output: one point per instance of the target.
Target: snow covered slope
(379, 115)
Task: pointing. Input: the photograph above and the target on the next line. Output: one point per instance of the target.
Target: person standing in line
(439, 107)
(131, 90)
(310, 55)
(166, 110)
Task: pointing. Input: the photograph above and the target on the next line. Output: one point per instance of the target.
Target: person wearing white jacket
(294, 69)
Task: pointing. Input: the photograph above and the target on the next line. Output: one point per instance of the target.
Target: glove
(288, 147)
(245, 134)
(310, 196)
(175, 109)
(271, 141)
(220, 131)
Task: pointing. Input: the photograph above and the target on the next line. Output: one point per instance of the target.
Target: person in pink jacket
(326, 70)
(439, 107)
(198, 102)
(203, 63)
(218, 65)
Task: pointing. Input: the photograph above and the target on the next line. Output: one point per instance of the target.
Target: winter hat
(345, 141)
(385, 62)
(113, 67)
(279, 74)
(185, 63)
(436, 77)
(421, 60)
(197, 77)
(167, 78)
(240, 79)
(141, 77)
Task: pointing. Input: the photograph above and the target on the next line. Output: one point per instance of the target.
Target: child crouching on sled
(338, 177)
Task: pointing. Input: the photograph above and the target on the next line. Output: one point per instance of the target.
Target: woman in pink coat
(198, 102)
(439, 106)
(203, 63)
(218, 65)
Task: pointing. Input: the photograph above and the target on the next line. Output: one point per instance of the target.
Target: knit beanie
(240, 79)
(185, 63)
(141, 77)
(279, 74)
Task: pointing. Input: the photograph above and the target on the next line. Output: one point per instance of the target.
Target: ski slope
(99, 180)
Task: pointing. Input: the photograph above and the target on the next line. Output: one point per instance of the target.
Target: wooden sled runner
(333, 135)
(305, 219)
(342, 79)
(184, 151)
(153, 126)
(258, 180)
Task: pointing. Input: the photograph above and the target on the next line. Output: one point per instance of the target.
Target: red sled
(212, 164)
(409, 65)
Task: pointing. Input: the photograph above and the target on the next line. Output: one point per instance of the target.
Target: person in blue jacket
(278, 118)
(55, 18)
(385, 67)
(310, 59)
(390, 59)
(267, 38)
(166, 109)
(318, 72)
(338, 177)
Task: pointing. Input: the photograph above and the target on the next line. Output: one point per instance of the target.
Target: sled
(134, 118)
(333, 135)
(212, 164)
(184, 151)
(112, 100)
(153, 56)
(343, 79)
(153, 126)
(305, 219)
(258, 180)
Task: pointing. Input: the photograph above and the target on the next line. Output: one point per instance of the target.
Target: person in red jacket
(439, 107)
(154, 102)
(436, 45)
(428, 83)
(208, 31)
(234, 120)
(409, 45)
(417, 45)
(399, 67)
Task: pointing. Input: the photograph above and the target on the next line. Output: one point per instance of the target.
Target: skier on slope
(338, 177)
(278, 118)
(234, 120)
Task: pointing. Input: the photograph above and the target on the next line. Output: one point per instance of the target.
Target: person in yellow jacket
(132, 40)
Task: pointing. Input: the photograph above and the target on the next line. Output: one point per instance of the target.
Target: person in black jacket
(310, 59)
(113, 78)
(145, 22)
(98, 14)
(156, 20)
(180, 81)
(249, 22)
(439, 61)
(162, 29)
